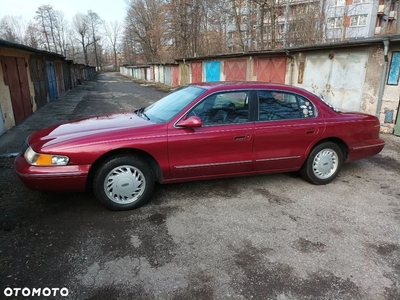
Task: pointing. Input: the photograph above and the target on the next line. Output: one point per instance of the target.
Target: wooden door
(16, 77)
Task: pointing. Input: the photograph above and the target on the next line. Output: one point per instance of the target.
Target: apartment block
(290, 23)
(351, 19)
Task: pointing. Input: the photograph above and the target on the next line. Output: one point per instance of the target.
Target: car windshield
(167, 107)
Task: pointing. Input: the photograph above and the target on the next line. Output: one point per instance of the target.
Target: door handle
(242, 137)
(239, 138)
(311, 130)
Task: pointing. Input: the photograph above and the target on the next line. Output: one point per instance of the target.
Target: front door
(224, 143)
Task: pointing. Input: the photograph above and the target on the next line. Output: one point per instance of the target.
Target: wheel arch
(342, 145)
(149, 159)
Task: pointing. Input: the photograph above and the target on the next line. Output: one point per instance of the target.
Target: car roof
(217, 85)
(227, 85)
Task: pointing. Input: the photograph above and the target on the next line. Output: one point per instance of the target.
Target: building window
(338, 2)
(335, 23)
(358, 20)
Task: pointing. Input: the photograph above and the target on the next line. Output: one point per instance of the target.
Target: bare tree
(12, 29)
(61, 31)
(130, 47)
(32, 37)
(239, 22)
(306, 24)
(213, 31)
(113, 31)
(94, 23)
(81, 26)
(186, 25)
(270, 32)
(72, 47)
(46, 21)
(145, 24)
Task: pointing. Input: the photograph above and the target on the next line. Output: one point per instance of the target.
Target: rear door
(288, 124)
(224, 143)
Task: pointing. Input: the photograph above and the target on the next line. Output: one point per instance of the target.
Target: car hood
(89, 130)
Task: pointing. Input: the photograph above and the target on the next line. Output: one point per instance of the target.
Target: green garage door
(397, 126)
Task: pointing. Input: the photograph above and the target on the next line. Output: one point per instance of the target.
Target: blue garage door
(213, 69)
(51, 77)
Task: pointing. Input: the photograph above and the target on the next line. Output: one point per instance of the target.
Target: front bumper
(52, 178)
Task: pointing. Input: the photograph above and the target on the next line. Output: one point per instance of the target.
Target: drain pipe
(383, 78)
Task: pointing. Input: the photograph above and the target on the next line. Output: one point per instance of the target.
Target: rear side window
(276, 105)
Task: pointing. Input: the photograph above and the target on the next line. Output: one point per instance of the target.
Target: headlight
(38, 159)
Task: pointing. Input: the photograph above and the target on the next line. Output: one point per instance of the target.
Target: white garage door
(339, 80)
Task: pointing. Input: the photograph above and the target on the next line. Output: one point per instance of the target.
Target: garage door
(213, 70)
(16, 77)
(183, 72)
(271, 69)
(338, 79)
(197, 72)
(235, 70)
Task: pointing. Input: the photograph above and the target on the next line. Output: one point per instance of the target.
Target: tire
(323, 164)
(123, 183)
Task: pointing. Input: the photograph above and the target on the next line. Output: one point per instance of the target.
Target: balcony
(378, 30)
(381, 9)
(393, 14)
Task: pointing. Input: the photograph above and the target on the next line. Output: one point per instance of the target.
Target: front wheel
(323, 164)
(123, 183)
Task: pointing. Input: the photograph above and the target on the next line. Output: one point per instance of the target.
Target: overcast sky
(108, 10)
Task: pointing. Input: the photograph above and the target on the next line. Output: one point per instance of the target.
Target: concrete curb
(8, 155)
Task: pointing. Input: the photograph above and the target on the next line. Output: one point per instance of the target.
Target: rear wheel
(323, 164)
(123, 183)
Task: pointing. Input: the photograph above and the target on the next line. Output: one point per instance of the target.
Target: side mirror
(192, 121)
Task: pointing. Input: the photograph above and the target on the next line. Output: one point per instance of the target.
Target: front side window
(223, 108)
(276, 105)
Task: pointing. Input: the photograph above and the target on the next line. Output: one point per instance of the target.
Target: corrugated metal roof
(291, 50)
(12, 45)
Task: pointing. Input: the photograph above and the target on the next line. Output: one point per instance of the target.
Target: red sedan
(202, 131)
